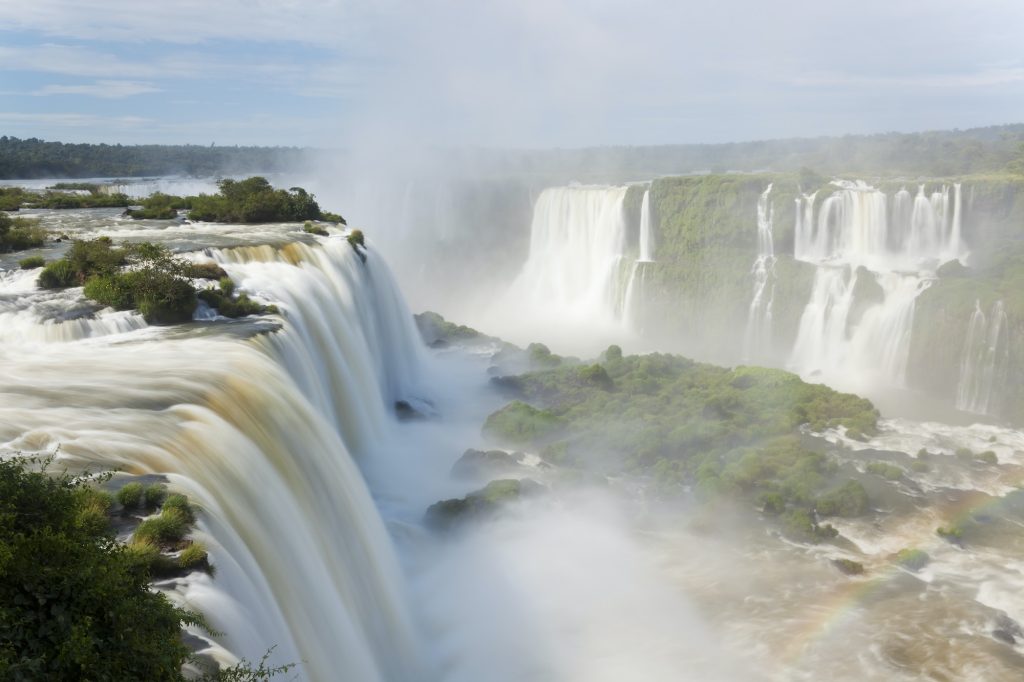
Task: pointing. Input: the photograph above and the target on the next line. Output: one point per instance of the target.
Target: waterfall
(757, 340)
(261, 433)
(636, 290)
(646, 234)
(861, 244)
(983, 362)
(574, 275)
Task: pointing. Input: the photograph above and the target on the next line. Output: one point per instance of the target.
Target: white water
(636, 290)
(899, 245)
(574, 275)
(758, 337)
(304, 562)
(984, 360)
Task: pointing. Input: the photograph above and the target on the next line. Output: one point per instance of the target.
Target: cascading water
(984, 360)
(636, 290)
(574, 275)
(259, 433)
(757, 340)
(895, 251)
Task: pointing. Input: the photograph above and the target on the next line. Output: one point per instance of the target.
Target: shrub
(310, 228)
(884, 469)
(912, 559)
(849, 500)
(166, 529)
(32, 262)
(130, 495)
(155, 494)
(205, 271)
(193, 556)
(18, 234)
(953, 533)
(75, 605)
(181, 505)
(57, 274)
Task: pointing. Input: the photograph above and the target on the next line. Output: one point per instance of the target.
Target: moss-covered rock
(479, 504)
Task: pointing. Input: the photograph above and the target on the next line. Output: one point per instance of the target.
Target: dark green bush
(32, 262)
(74, 604)
(130, 495)
(315, 229)
(155, 494)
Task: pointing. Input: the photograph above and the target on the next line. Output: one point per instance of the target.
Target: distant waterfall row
(899, 243)
(984, 361)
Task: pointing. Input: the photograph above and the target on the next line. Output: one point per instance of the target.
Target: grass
(32, 262)
(130, 495)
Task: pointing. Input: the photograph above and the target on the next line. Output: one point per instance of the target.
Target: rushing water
(858, 237)
(756, 342)
(983, 362)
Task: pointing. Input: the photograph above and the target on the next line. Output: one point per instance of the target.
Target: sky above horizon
(505, 73)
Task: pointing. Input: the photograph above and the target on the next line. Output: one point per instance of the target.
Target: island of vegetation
(734, 433)
(145, 277)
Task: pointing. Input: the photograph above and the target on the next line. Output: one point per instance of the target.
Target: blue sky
(503, 73)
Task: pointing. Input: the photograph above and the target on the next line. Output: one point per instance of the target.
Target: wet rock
(848, 566)
(486, 463)
(1007, 629)
(482, 503)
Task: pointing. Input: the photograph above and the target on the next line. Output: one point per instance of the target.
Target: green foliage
(912, 559)
(884, 469)
(613, 353)
(849, 566)
(356, 239)
(254, 200)
(245, 671)
(329, 217)
(801, 525)
(159, 206)
(519, 423)
(130, 495)
(479, 503)
(310, 228)
(193, 556)
(32, 262)
(436, 330)
(953, 533)
(18, 234)
(229, 305)
(73, 603)
(166, 529)
(850, 499)
(541, 356)
(154, 495)
(180, 504)
(206, 271)
(732, 432)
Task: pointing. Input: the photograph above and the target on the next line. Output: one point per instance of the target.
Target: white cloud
(104, 89)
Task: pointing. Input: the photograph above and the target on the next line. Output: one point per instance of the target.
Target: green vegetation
(18, 234)
(130, 495)
(254, 200)
(953, 533)
(437, 331)
(154, 495)
(157, 284)
(727, 432)
(159, 206)
(14, 198)
(223, 298)
(988, 457)
(912, 559)
(310, 228)
(487, 500)
(166, 529)
(32, 262)
(885, 470)
(849, 566)
(34, 158)
(73, 603)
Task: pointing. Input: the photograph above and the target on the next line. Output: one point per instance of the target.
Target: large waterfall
(260, 432)
(576, 273)
(983, 362)
(757, 341)
(874, 256)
